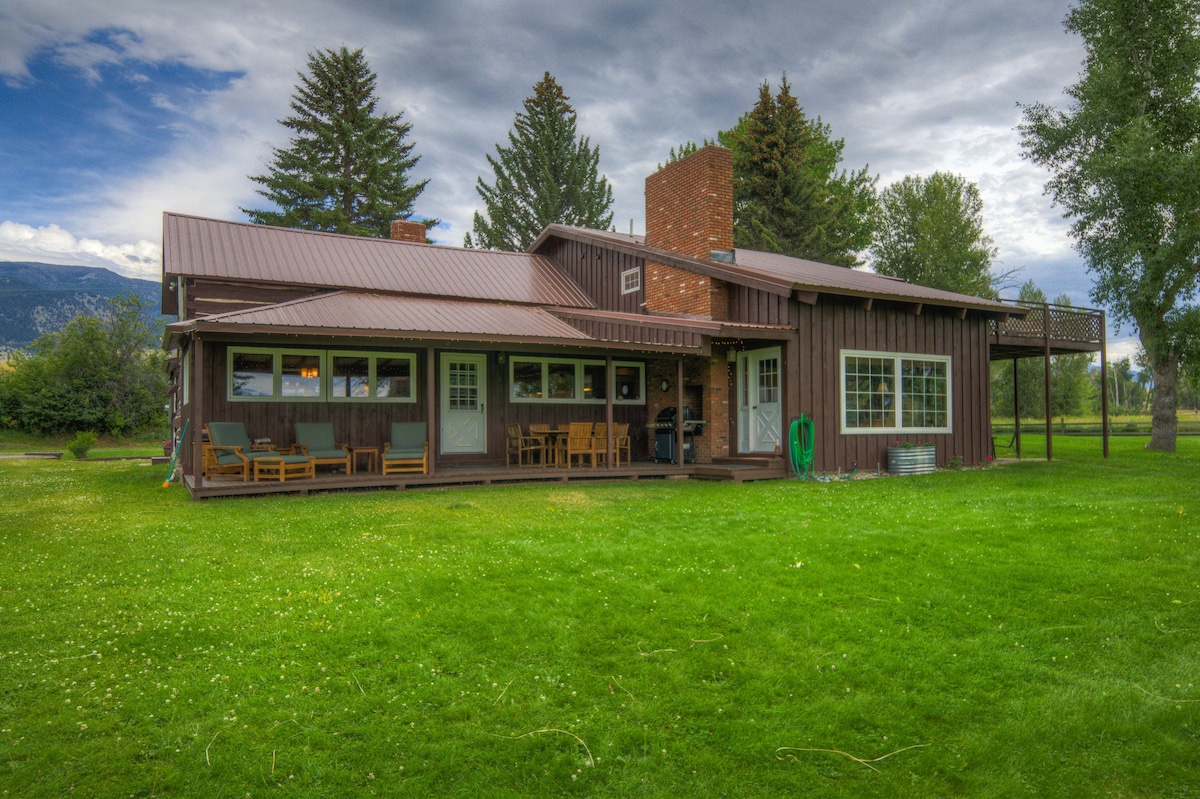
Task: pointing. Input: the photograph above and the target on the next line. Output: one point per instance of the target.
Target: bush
(81, 443)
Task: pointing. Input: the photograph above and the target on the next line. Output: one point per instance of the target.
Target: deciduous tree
(929, 231)
(347, 167)
(547, 174)
(1125, 164)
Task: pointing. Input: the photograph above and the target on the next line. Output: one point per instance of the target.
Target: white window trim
(897, 358)
(372, 357)
(631, 280)
(580, 397)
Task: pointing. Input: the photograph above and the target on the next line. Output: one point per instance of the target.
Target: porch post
(679, 412)
(431, 421)
(1049, 417)
(197, 411)
(1104, 381)
(610, 386)
(1017, 406)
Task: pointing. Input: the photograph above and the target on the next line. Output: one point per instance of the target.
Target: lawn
(1030, 629)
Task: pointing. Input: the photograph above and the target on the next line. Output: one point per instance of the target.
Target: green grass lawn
(1026, 630)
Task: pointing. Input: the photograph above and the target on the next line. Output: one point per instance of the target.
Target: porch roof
(356, 314)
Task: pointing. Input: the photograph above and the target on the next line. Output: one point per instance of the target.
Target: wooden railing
(1061, 322)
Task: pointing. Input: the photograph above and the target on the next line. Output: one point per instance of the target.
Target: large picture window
(885, 392)
(259, 373)
(574, 381)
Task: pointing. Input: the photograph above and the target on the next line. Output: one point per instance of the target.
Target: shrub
(81, 443)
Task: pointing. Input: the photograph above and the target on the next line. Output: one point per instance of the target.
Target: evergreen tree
(545, 175)
(346, 169)
(929, 231)
(788, 195)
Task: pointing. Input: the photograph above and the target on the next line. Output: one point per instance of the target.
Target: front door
(464, 416)
(760, 401)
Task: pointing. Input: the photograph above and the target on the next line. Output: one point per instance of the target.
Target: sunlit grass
(1030, 629)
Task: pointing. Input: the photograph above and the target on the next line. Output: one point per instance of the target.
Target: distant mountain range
(42, 298)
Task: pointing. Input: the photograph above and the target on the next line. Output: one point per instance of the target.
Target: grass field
(1030, 629)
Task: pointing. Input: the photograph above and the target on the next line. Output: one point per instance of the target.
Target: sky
(112, 113)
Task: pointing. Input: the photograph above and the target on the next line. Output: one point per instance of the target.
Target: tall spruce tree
(545, 175)
(347, 167)
(788, 194)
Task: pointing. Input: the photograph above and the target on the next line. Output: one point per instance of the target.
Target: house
(279, 326)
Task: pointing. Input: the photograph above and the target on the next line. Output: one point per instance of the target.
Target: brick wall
(404, 230)
(689, 210)
(707, 390)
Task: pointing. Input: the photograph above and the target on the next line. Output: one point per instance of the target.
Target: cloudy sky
(113, 112)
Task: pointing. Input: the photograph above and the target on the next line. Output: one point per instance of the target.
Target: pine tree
(545, 175)
(346, 169)
(789, 196)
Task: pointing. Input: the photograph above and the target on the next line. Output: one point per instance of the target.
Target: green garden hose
(800, 451)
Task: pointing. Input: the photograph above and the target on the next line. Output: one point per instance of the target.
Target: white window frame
(372, 360)
(580, 397)
(631, 280)
(898, 359)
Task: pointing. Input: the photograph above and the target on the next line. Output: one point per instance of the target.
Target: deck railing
(1061, 322)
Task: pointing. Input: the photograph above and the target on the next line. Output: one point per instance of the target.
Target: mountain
(41, 298)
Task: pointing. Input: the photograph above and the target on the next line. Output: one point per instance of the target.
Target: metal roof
(355, 314)
(764, 270)
(209, 248)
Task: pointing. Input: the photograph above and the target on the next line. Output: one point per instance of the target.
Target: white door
(760, 401)
(464, 415)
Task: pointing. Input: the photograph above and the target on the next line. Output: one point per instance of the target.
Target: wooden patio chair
(600, 441)
(230, 449)
(316, 440)
(621, 443)
(579, 442)
(522, 445)
(550, 438)
(408, 451)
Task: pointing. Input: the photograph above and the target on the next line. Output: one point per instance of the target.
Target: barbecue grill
(664, 435)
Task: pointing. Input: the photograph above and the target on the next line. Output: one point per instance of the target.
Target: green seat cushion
(404, 454)
(316, 436)
(328, 453)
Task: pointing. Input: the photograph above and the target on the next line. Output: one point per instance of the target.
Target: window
(631, 280)
(890, 392)
(572, 381)
(372, 376)
(259, 373)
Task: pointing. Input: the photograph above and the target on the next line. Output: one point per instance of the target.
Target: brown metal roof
(353, 314)
(764, 270)
(209, 248)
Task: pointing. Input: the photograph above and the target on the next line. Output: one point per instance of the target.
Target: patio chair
(521, 444)
(579, 442)
(600, 441)
(315, 439)
(408, 451)
(621, 443)
(230, 449)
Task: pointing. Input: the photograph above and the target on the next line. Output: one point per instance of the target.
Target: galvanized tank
(920, 459)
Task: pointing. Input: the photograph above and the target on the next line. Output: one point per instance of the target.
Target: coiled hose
(800, 449)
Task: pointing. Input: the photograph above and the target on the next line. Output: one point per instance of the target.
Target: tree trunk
(1162, 411)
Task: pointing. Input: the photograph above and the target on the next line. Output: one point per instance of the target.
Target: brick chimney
(404, 230)
(689, 210)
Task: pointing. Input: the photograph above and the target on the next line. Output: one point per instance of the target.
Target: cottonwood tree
(346, 169)
(929, 231)
(1125, 164)
(547, 174)
(789, 195)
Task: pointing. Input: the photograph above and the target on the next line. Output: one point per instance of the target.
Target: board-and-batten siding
(597, 271)
(756, 307)
(828, 328)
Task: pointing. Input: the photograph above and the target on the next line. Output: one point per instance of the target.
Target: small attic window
(631, 280)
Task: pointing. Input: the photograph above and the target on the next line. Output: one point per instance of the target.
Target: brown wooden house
(279, 326)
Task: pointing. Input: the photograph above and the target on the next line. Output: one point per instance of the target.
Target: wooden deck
(449, 477)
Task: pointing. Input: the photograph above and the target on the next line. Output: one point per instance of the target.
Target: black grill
(664, 436)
